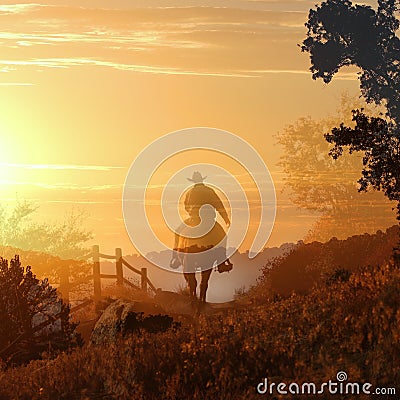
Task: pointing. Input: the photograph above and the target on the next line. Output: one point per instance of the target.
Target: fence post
(144, 279)
(118, 267)
(64, 282)
(96, 274)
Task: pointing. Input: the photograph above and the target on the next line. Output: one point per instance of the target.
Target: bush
(352, 326)
(309, 264)
(33, 318)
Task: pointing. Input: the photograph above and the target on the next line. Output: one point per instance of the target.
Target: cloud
(350, 76)
(18, 8)
(87, 202)
(230, 39)
(137, 40)
(62, 167)
(16, 84)
(63, 186)
(74, 62)
(169, 40)
(152, 69)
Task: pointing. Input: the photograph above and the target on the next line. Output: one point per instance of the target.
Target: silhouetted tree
(342, 34)
(325, 186)
(65, 240)
(33, 318)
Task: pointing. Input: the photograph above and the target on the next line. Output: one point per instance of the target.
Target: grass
(351, 325)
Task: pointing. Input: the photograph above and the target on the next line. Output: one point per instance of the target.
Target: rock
(123, 316)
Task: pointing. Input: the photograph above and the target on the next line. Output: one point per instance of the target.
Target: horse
(199, 253)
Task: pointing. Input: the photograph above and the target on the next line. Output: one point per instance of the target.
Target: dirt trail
(181, 307)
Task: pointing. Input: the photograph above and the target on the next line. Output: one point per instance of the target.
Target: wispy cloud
(69, 167)
(16, 84)
(201, 39)
(87, 202)
(351, 76)
(74, 62)
(139, 39)
(18, 8)
(63, 186)
(211, 41)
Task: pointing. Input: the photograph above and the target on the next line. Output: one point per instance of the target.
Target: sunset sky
(86, 85)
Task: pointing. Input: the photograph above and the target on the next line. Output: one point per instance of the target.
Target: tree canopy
(341, 34)
(66, 239)
(326, 186)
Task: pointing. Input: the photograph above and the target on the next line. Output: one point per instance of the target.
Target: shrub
(353, 326)
(33, 318)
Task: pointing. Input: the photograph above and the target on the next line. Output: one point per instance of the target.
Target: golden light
(8, 152)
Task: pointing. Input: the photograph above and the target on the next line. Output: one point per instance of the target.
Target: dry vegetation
(350, 322)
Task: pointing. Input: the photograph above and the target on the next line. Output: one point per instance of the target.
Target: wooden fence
(66, 286)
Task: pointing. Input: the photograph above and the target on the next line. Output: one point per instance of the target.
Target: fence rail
(129, 266)
(81, 306)
(66, 286)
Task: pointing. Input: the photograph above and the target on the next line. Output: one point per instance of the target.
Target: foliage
(379, 140)
(33, 318)
(320, 184)
(53, 248)
(350, 322)
(316, 263)
(352, 326)
(339, 275)
(65, 240)
(137, 322)
(342, 34)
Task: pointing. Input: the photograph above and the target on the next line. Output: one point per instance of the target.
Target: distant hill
(222, 286)
(280, 270)
(309, 264)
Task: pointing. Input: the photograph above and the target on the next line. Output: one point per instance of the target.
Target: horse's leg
(192, 283)
(205, 276)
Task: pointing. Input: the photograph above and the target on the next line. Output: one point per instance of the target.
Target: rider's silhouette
(190, 253)
(199, 195)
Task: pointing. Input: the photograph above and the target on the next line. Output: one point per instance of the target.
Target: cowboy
(200, 195)
(190, 252)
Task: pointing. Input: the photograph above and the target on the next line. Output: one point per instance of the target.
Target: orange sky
(86, 85)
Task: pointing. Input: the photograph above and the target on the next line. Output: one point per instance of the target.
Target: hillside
(350, 325)
(314, 263)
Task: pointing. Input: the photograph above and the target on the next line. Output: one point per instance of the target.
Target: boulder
(124, 316)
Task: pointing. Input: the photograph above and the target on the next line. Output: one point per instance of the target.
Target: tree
(326, 186)
(342, 34)
(65, 240)
(54, 248)
(33, 318)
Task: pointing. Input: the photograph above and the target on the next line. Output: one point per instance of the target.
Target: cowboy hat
(196, 177)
